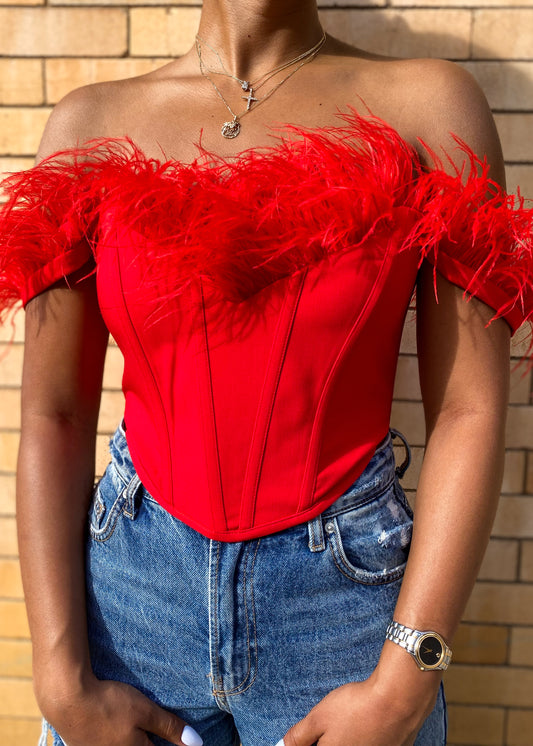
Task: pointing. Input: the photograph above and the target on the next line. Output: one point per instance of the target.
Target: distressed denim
(241, 639)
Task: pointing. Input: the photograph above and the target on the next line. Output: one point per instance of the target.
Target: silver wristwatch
(427, 648)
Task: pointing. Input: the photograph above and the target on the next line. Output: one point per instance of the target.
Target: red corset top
(259, 302)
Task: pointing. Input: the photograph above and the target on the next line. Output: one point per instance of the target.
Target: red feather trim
(43, 222)
(469, 220)
(241, 224)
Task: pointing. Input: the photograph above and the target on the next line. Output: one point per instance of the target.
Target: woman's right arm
(65, 345)
(65, 342)
(64, 356)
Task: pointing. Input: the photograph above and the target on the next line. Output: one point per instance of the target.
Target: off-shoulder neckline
(356, 131)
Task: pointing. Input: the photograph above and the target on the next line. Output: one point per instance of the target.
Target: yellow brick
(407, 385)
(457, 3)
(514, 518)
(63, 75)
(22, 2)
(11, 364)
(500, 561)
(506, 33)
(476, 726)
(16, 698)
(10, 580)
(519, 728)
(162, 32)
(520, 344)
(11, 331)
(15, 658)
(13, 620)
(481, 643)
(56, 32)
(409, 33)
(354, 3)
(490, 685)
(515, 134)
(521, 652)
(9, 443)
(526, 562)
(410, 479)
(111, 411)
(408, 343)
(20, 732)
(114, 366)
(520, 176)
(7, 494)
(8, 536)
(10, 409)
(505, 603)
(14, 165)
(507, 85)
(21, 82)
(409, 419)
(513, 474)
(102, 453)
(21, 130)
(133, 2)
(520, 384)
(519, 431)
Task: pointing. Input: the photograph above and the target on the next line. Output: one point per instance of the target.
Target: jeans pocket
(113, 499)
(370, 543)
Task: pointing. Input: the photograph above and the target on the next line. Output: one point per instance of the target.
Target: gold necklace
(232, 128)
(246, 85)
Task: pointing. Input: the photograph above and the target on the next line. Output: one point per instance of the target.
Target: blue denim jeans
(241, 639)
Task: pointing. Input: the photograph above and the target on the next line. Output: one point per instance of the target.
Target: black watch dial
(430, 650)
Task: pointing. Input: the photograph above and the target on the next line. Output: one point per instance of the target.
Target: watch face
(430, 650)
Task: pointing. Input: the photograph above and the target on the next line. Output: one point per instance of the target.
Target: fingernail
(190, 737)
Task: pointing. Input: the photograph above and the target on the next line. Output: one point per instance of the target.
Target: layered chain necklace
(232, 128)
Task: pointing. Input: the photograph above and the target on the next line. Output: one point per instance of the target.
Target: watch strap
(408, 638)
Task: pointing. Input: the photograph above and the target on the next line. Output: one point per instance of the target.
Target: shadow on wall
(507, 84)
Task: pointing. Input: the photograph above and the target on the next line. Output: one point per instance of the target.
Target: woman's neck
(253, 35)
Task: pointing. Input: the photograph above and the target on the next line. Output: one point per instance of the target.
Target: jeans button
(330, 527)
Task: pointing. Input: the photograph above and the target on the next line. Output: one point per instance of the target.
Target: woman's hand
(358, 714)
(109, 713)
(388, 709)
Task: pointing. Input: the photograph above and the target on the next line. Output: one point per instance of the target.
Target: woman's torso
(253, 411)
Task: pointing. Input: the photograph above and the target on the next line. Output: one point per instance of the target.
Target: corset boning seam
(310, 472)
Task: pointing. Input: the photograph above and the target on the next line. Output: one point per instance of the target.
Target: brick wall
(44, 54)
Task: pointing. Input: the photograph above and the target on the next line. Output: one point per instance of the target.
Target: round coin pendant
(230, 129)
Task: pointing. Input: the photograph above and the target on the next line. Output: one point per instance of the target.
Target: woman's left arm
(464, 375)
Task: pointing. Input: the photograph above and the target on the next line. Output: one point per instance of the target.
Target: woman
(247, 545)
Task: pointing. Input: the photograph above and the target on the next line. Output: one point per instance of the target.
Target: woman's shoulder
(425, 99)
(80, 116)
(99, 110)
(434, 102)
(439, 94)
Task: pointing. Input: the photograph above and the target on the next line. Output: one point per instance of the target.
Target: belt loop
(400, 470)
(316, 535)
(133, 497)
